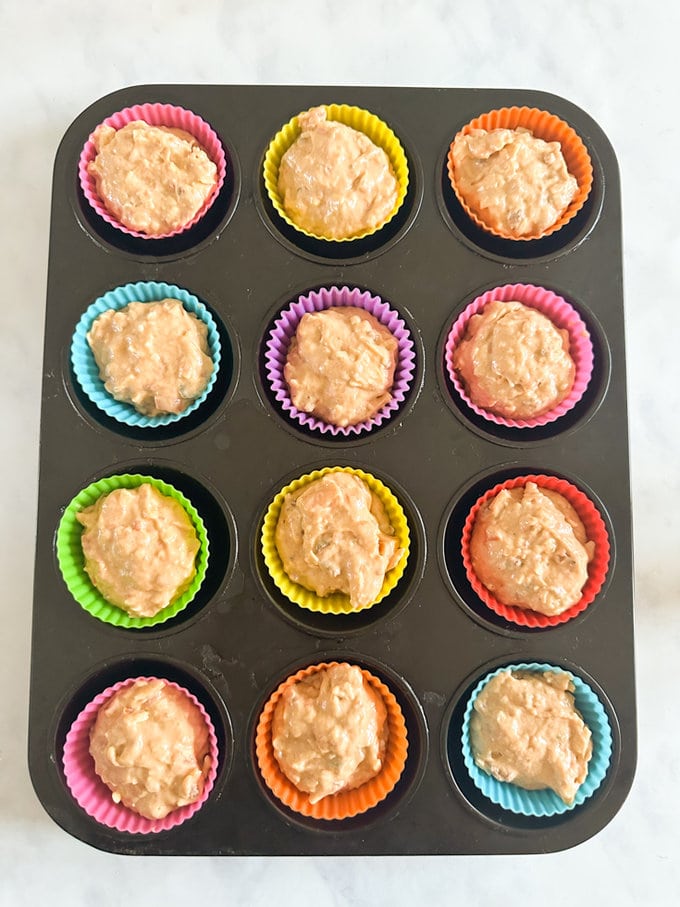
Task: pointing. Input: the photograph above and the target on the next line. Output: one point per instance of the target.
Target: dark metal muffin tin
(431, 639)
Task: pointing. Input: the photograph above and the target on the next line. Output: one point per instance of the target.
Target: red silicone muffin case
(596, 531)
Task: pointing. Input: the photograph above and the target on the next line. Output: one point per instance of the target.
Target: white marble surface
(618, 60)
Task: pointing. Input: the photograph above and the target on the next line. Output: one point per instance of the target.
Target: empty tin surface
(431, 640)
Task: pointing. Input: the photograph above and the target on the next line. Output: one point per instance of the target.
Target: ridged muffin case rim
(544, 803)
(492, 814)
(575, 420)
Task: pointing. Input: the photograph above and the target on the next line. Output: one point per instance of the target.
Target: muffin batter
(140, 548)
(514, 182)
(329, 731)
(153, 355)
(526, 730)
(340, 365)
(150, 746)
(530, 549)
(152, 179)
(333, 535)
(514, 362)
(334, 181)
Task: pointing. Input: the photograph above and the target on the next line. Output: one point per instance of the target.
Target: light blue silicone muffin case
(544, 803)
(87, 372)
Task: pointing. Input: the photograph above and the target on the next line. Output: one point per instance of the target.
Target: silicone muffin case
(431, 639)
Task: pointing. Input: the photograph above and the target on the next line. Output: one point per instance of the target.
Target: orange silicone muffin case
(344, 804)
(543, 125)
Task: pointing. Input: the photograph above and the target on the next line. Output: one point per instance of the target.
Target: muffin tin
(431, 640)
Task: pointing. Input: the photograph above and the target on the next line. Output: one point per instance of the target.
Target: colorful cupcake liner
(344, 804)
(72, 562)
(544, 803)
(87, 372)
(562, 315)
(94, 796)
(596, 531)
(337, 602)
(281, 335)
(550, 128)
(357, 118)
(155, 115)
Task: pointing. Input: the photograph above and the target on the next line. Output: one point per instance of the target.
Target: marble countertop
(618, 61)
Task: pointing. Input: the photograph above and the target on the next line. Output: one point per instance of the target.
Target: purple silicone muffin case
(281, 335)
(431, 639)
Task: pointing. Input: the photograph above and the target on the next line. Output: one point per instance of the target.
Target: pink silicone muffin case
(94, 796)
(155, 115)
(563, 316)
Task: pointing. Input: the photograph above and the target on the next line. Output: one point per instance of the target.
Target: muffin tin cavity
(87, 371)
(597, 712)
(416, 758)
(95, 403)
(353, 251)
(549, 247)
(276, 341)
(143, 665)
(508, 435)
(220, 530)
(72, 560)
(342, 625)
(208, 227)
(526, 622)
